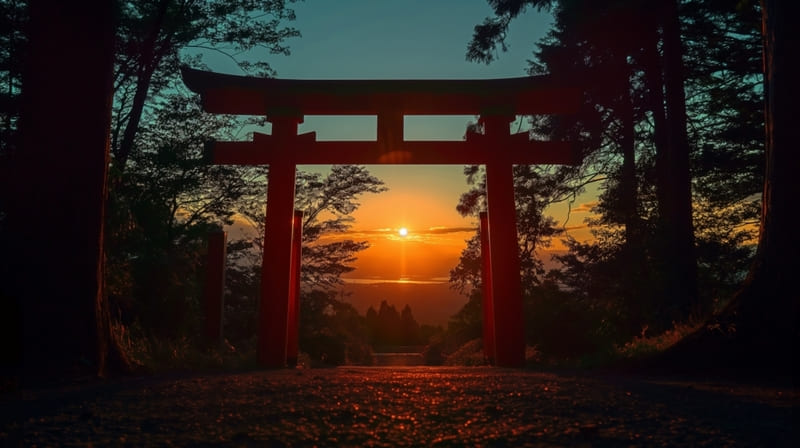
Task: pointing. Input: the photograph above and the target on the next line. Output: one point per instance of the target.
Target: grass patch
(156, 355)
(643, 345)
(640, 347)
(469, 354)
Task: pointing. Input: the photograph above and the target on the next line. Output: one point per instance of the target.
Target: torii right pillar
(506, 287)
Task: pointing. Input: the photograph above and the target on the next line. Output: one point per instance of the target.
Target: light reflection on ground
(430, 406)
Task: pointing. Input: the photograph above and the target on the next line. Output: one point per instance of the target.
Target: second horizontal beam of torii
(305, 150)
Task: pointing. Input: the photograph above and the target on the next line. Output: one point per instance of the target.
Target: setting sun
(403, 231)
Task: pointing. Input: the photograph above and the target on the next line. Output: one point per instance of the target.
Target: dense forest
(671, 133)
(672, 136)
(673, 145)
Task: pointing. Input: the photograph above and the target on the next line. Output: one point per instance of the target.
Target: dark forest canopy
(673, 121)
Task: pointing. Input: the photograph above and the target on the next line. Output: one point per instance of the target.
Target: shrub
(645, 345)
(469, 354)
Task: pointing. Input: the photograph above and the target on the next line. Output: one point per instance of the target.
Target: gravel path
(354, 406)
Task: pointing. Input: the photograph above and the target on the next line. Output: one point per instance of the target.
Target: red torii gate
(285, 102)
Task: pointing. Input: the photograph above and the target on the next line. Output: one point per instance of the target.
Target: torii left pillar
(276, 281)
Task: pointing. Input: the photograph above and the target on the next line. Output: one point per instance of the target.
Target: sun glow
(403, 231)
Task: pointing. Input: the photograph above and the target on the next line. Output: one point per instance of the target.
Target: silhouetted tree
(534, 190)
(332, 331)
(386, 327)
(371, 320)
(726, 122)
(759, 327)
(466, 324)
(13, 19)
(55, 219)
(155, 36)
(327, 203)
(768, 308)
(409, 328)
(171, 198)
(675, 207)
(595, 45)
(633, 81)
(389, 321)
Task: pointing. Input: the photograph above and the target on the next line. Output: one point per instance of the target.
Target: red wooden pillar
(487, 305)
(275, 268)
(215, 286)
(505, 269)
(292, 338)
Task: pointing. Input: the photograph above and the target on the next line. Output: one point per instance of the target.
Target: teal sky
(390, 39)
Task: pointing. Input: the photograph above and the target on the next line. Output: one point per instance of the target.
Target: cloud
(586, 207)
(445, 230)
(438, 230)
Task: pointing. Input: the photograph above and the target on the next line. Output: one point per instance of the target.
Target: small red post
(275, 268)
(487, 304)
(506, 284)
(215, 286)
(293, 336)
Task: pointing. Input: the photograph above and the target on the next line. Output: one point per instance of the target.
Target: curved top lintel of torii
(245, 95)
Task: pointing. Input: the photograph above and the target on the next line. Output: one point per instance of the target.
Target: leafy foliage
(534, 189)
(13, 19)
(616, 52)
(168, 201)
(155, 36)
(332, 331)
(326, 202)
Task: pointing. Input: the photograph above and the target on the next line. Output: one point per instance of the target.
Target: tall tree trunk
(681, 263)
(123, 151)
(56, 220)
(768, 303)
(759, 328)
(629, 184)
(632, 251)
(150, 59)
(654, 81)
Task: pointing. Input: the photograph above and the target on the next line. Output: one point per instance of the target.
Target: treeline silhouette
(386, 327)
(333, 332)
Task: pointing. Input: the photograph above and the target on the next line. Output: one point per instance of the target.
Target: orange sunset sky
(422, 199)
(414, 268)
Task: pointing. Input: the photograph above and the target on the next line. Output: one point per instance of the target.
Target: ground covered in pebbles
(421, 406)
